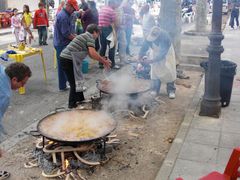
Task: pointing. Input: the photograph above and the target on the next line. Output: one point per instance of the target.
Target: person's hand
(145, 60)
(107, 63)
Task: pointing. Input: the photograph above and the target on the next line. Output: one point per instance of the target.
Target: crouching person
(12, 77)
(162, 60)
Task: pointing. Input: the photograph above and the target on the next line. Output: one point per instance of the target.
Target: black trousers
(104, 43)
(74, 97)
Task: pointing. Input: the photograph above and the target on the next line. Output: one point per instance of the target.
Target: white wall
(33, 4)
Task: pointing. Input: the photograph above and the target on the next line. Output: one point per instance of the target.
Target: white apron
(78, 58)
(164, 70)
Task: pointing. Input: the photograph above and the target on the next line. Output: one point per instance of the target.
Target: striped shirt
(79, 44)
(106, 16)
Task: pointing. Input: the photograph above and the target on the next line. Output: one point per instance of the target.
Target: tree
(201, 16)
(170, 21)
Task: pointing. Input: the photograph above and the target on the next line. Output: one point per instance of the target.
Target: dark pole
(211, 105)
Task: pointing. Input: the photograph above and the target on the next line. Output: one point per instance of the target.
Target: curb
(169, 162)
(195, 33)
(5, 33)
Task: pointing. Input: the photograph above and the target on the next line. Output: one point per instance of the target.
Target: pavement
(204, 144)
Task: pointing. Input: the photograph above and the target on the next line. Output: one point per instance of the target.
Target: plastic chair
(231, 171)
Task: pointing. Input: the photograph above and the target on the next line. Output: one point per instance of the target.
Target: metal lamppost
(210, 105)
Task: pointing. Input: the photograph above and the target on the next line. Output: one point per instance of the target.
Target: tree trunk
(170, 21)
(201, 15)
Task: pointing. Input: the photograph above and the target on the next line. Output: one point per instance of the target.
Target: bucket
(85, 66)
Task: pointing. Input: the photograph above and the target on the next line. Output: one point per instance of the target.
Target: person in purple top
(63, 35)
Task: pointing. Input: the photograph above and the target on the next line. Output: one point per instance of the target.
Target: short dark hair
(40, 4)
(18, 70)
(91, 28)
(14, 9)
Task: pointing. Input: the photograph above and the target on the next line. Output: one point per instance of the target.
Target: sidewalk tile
(198, 152)
(230, 140)
(191, 170)
(231, 126)
(203, 137)
(228, 115)
(223, 157)
(206, 123)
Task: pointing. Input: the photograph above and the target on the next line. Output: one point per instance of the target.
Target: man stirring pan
(163, 62)
(71, 60)
(12, 77)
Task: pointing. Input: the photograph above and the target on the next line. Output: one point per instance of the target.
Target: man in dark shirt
(63, 34)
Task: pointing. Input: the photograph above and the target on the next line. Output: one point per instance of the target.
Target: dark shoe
(45, 44)
(72, 106)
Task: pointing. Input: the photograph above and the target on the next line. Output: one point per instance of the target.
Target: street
(169, 140)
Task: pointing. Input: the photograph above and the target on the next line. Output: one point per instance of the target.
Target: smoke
(125, 91)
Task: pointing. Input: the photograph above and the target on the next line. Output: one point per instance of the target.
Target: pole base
(210, 108)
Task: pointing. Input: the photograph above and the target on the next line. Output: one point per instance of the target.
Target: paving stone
(206, 123)
(204, 137)
(198, 152)
(231, 126)
(223, 157)
(229, 140)
(190, 170)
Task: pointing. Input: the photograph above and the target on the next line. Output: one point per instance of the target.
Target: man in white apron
(162, 60)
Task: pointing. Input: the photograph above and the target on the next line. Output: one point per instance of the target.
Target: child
(27, 21)
(16, 24)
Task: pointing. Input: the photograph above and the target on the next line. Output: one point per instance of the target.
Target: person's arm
(165, 45)
(46, 18)
(143, 50)
(93, 54)
(66, 29)
(35, 20)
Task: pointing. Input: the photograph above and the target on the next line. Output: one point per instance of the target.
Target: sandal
(4, 175)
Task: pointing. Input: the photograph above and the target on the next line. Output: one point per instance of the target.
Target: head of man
(154, 34)
(144, 9)
(19, 74)
(94, 30)
(91, 5)
(71, 6)
(40, 5)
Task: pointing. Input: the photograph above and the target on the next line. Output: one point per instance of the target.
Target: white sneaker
(153, 93)
(171, 95)
(84, 88)
(116, 67)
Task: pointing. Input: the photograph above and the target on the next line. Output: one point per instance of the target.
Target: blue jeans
(156, 85)
(62, 79)
(42, 33)
(128, 38)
